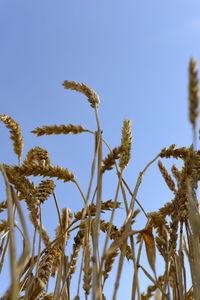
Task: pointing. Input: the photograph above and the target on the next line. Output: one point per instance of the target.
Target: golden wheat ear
(193, 92)
(16, 134)
(92, 96)
(126, 142)
(61, 129)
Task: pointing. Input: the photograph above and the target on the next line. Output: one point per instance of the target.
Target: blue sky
(134, 54)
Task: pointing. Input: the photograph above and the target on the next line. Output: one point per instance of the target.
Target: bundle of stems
(172, 231)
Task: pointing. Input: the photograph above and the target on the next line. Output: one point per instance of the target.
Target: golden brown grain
(111, 158)
(176, 172)
(166, 176)
(16, 134)
(44, 190)
(193, 92)
(126, 142)
(50, 171)
(93, 98)
(87, 266)
(61, 129)
(36, 156)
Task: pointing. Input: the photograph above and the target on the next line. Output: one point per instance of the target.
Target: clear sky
(133, 53)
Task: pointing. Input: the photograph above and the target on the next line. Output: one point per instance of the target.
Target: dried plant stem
(135, 284)
(76, 183)
(151, 278)
(96, 283)
(13, 263)
(59, 275)
(181, 254)
(26, 249)
(33, 249)
(3, 238)
(97, 141)
(40, 240)
(4, 252)
(137, 187)
(138, 203)
(121, 259)
(126, 206)
(96, 292)
(28, 278)
(97, 117)
(110, 226)
(80, 273)
(57, 207)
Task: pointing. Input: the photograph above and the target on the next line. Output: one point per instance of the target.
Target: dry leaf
(150, 247)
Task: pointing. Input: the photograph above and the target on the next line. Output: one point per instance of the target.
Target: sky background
(134, 54)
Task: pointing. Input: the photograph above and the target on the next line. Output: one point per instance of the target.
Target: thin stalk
(13, 262)
(138, 203)
(135, 284)
(57, 207)
(121, 260)
(96, 284)
(59, 274)
(4, 253)
(40, 240)
(2, 243)
(110, 226)
(32, 264)
(139, 181)
(80, 273)
(151, 278)
(76, 183)
(26, 249)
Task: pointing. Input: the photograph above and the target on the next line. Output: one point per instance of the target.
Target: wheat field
(97, 245)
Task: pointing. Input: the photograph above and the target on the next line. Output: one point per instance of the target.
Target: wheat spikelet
(37, 155)
(36, 288)
(129, 253)
(87, 267)
(173, 231)
(176, 153)
(76, 250)
(50, 171)
(44, 190)
(189, 294)
(109, 263)
(109, 161)
(114, 232)
(21, 183)
(193, 92)
(46, 264)
(93, 98)
(30, 194)
(32, 197)
(61, 129)
(3, 205)
(27, 191)
(126, 141)
(60, 244)
(169, 181)
(15, 132)
(3, 225)
(47, 297)
(152, 288)
(162, 242)
(176, 172)
(157, 219)
(108, 205)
